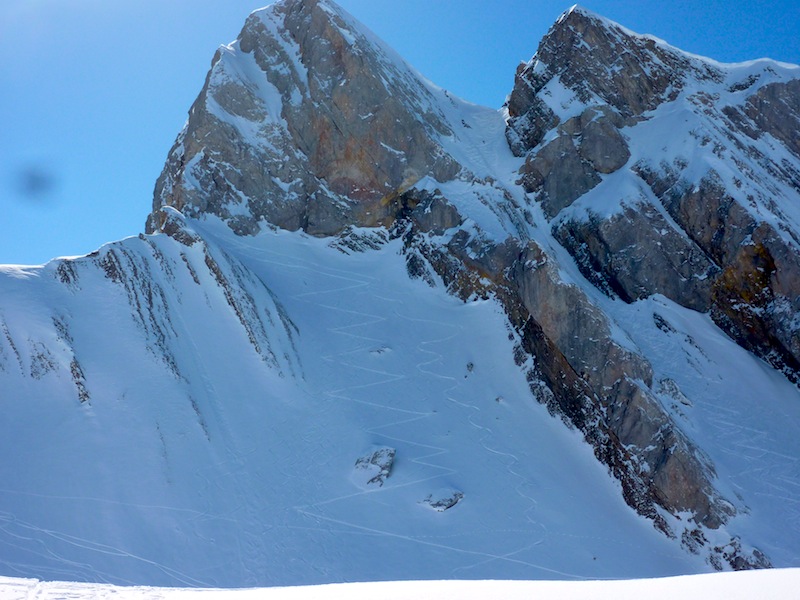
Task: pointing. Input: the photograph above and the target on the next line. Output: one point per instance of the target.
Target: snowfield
(214, 476)
(743, 585)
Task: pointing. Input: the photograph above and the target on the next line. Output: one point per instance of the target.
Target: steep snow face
(157, 438)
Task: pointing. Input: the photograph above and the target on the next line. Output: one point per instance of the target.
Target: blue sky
(95, 91)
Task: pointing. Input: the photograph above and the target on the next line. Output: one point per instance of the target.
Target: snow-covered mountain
(375, 332)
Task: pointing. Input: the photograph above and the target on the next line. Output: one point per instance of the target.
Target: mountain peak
(588, 60)
(334, 122)
(601, 60)
(580, 12)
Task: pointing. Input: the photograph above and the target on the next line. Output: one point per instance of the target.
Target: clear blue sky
(93, 92)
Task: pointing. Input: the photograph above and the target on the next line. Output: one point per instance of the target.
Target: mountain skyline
(93, 112)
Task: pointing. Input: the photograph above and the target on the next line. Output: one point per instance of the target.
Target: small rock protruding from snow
(375, 467)
(443, 500)
(669, 388)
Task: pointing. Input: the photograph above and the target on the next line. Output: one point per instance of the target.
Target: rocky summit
(569, 326)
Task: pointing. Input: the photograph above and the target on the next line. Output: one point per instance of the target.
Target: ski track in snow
(366, 329)
(358, 320)
(486, 435)
(71, 566)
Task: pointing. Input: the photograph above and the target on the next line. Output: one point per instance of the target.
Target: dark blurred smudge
(35, 183)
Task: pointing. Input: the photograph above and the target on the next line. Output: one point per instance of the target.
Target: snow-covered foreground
(778, 583)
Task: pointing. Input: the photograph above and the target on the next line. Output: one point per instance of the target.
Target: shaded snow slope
(227, 474)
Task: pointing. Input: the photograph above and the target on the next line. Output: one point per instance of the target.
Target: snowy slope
(251, 479)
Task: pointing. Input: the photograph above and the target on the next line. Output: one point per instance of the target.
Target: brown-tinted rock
(636, 253)
(320, 129)
(756, 295)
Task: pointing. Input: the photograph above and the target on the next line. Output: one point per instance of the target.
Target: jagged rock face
(569, 337)
(617, 405)
(304, 122)
(616, 255)
(560, 173)
(601, 64)
(754, 292)
(775, 109)
(689, 232)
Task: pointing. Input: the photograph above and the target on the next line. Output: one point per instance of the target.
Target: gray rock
(443, 500)
(603, 145)
(711, 253)
(374, 468)
(637, 253)
(435, 215)
(531, 118)
(775, 109)
(560, 173)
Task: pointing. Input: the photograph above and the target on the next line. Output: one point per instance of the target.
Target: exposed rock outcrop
(636, 253)
(598, 63)
(374, 468)
(303, 123)
(755, 292)
(559, 171)
(443, 500)
(706, 240)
